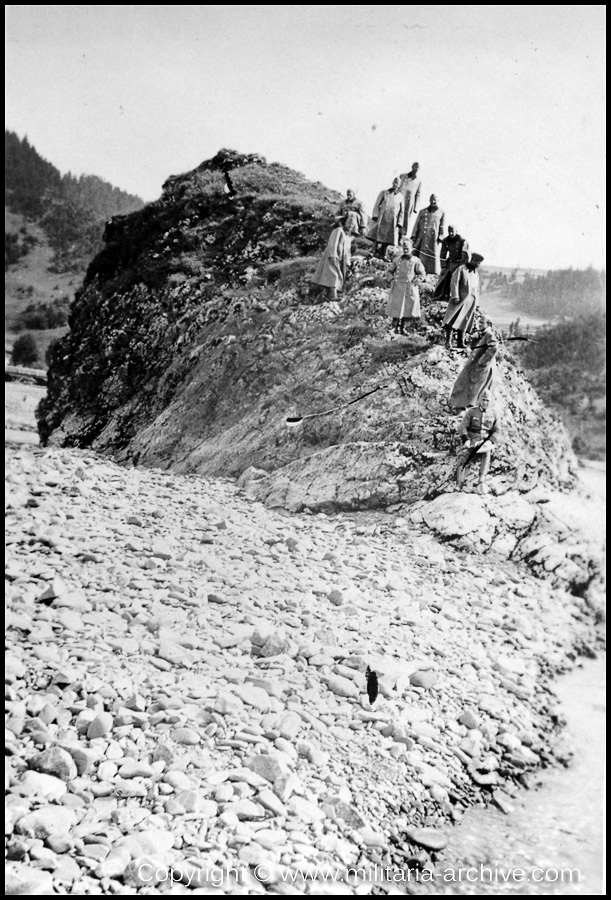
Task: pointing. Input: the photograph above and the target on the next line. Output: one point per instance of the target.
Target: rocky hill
(195, 335)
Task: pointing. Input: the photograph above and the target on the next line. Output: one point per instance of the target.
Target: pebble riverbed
(186, 692)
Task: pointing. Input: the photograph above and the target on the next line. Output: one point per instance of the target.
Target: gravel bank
(186, 686)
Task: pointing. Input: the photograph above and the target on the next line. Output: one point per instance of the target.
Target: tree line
(71, 209)
(567, 366)
(561, 292)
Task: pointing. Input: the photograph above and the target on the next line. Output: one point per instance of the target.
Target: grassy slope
(29, 281)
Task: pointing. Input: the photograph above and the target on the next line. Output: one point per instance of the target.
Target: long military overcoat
(478, 373)
(427, 230)
(404, 297)
(410, 188)
(388, 213)
(333, 264)
(464, 297)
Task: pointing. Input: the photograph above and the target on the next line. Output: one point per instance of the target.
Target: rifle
(530, 341)
(476, 450)
(292, 421)
(472, 454)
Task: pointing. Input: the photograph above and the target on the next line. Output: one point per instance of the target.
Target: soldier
(427, 236)
(387, 219)
(409, 185)
(452, 252)
(351, 204)
(333, 265)
(478, 433)
(477, 375)
(404, 298)
(464, 297)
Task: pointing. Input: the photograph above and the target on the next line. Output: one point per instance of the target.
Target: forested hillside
(567, 365)
(53, 227)
(562, 292)
(71, 210)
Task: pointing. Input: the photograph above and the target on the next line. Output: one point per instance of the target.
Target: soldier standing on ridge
(333, 265)
(409, 185)
(427, 235)
(477, 375)
(404, 299)
(478, 432)
(387, 219)
(452, 249)
(351, 204)
(464, 297)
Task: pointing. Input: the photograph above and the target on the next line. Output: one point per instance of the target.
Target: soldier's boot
(460, 340)
(395, 326)
(332, 294)
(448, 332)
(402, 326)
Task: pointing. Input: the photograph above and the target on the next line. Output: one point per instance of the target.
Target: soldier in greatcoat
(477, 375)
(387, 219)
(352, 204)
(333, 265)
(404, 299)
(464, 298)
(427, 235)
(409, 185)
(453, 253)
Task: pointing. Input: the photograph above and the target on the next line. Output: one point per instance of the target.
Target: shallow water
(502, 312)
(554, 836)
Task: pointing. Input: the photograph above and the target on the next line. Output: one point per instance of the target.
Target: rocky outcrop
(361, 472)
(195, 337)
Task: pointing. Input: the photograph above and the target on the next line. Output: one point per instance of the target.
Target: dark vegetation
(25, 350)
(17, 244)
(567, 366)
(193, 259)
(196, 233)
(43, 316)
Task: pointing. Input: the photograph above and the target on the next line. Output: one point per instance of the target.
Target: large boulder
(458, 514)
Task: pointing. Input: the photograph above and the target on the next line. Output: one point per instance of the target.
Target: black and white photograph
(305, 450)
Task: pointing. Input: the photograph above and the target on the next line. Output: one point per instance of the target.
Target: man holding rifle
(478, 432)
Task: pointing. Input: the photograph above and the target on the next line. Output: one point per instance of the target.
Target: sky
(502, 106)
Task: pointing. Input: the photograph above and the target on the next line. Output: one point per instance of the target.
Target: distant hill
(53, 227)
(515, 273)
(28, 178)
(567, 366)
(30, 283)
(548, 295)
(71, 210)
